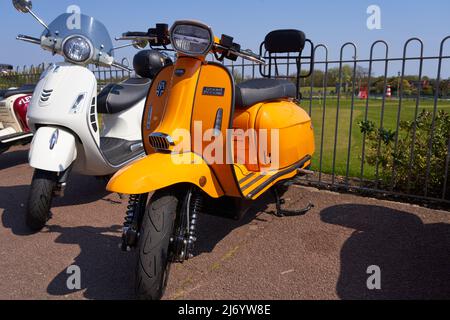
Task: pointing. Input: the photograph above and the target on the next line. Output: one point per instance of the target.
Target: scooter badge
(161, 88)
(54, 139)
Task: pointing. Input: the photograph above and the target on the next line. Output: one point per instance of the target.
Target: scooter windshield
(72, 24)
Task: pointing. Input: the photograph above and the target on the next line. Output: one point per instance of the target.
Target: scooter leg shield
(158, 171)
(52, 149)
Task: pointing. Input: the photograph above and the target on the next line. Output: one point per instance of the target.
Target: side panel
(286, 143)
(295, 133)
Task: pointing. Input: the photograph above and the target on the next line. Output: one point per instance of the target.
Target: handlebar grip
(135, 34)
(29, 39)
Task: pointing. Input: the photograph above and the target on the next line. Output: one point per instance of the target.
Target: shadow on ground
(105, 269)
(213, 230)
(13, 200)
(107, 273)
(13, 158)
(414, 257)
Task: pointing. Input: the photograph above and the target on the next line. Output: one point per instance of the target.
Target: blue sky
(330, 22)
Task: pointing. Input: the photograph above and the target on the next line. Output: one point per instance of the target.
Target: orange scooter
(212, 146)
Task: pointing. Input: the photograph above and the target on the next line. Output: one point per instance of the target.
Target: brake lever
(248, 55)
(28, 39)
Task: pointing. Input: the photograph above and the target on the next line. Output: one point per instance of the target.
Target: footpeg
(280, 212)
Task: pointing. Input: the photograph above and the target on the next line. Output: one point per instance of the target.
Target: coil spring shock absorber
(185, 237)
(196, 207)
(131, 225)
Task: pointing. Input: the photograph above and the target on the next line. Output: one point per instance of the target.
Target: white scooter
(14, 128)
(76, 130)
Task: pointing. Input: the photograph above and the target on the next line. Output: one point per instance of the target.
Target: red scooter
(13, 117)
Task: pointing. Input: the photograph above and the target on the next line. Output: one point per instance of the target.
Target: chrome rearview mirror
(140, 44)
(24, 6)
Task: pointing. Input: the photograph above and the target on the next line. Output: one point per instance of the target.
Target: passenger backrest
(283, 52)
(284, 41)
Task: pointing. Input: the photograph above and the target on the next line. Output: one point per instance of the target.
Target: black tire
(154, 257)
(40, 199)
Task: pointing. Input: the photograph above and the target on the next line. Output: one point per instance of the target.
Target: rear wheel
(40, 199)
(154, 255)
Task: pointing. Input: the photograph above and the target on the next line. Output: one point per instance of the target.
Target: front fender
(52, 149)
(159, 171)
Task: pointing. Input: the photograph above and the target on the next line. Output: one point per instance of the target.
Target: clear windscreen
(69, 24)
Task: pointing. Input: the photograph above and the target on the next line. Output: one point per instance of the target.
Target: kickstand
(280, 212)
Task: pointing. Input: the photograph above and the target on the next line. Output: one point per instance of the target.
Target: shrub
(411, 171)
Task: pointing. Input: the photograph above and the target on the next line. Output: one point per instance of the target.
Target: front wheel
(40, 199)
(154, 256)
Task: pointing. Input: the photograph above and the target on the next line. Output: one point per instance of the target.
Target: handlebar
(237, 52)
(29, 39)
(121, 66)
(38, 41)
(159, 36)
(249, 55)
(137, 36)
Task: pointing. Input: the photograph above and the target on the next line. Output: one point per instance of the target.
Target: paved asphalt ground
(323, 255)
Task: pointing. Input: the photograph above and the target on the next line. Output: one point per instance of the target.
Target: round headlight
(77, 49)
(191, 39)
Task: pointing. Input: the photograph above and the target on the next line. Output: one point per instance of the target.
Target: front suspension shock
(133, 219)
(196, 208)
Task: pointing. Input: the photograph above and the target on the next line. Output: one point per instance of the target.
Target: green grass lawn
(343, 137)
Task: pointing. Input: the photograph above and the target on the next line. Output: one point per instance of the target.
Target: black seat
(115, 98)
(25, 89)
(250, 92)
